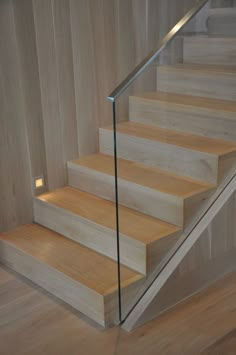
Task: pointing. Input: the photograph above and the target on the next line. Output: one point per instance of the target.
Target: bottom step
(79, 276)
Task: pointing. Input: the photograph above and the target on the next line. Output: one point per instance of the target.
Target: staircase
(178, 146)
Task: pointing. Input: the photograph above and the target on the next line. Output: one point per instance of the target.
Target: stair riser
(92, 235)
(75, 294)
(198, 165)
(196, 83)
(196, 120)
(154, 203)
(222, 26)
(128, 295)
(210, 50)
(223, 3)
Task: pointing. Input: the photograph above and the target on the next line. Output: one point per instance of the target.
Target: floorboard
(34, 322)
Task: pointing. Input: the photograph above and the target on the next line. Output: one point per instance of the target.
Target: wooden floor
(33, 322)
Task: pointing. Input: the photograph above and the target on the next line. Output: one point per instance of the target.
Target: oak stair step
(155, 192)
(213, 81)
(90, 220)
(209, 50)
(194, 114)
(222, 22)
(202, 158)
(79, 276)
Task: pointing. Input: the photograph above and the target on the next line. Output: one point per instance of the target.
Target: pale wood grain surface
(193, 114)
(181, 139)
(187, 100)
(152, 191)
(209, 50)
(203, 68)
(215, 82)
(52, 120)
(144, 175)
(15, 172)
(102, 212)
(27, 54)
(201, 323)
(77, 262)
(161, 154)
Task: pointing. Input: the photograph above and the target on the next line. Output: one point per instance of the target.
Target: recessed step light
(38, 182)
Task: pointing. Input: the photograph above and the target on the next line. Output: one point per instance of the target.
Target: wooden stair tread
(188, 100)
(133, 224)
(181, 139)
(153, 178)
(88, 267)
(203, 68)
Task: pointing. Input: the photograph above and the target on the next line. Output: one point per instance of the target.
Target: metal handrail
(155, 53)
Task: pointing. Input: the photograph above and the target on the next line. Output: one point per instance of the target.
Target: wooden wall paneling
(140, 24)
(125, 31)
(125, 47)
(53, 125)
(66, 88)
(105, 56)
(26, 48)
(144, 43)
(222, 231)
(200, 254)
(15, 175)
(85, 76)
(153, 23)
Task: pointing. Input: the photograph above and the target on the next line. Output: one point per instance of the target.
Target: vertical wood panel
(26, 47)
(85, 76)
(66, 92)
(15, 177)
(104, 32)
(45, 41)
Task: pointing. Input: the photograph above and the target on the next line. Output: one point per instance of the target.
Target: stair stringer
(206, 255)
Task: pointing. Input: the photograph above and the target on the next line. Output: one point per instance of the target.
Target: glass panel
(169, 134)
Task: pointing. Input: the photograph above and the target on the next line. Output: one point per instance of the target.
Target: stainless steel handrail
(155, 53)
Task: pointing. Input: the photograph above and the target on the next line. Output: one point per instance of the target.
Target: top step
(222, 22)
(223, 3)
(223, 11)
(209, 50)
